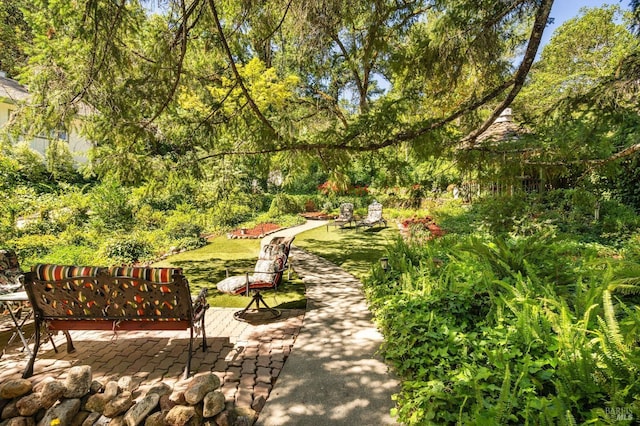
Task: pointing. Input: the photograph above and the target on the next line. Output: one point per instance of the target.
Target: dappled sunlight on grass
(351, 250)
(206, 266)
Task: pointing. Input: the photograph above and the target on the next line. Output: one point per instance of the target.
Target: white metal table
(7, 301)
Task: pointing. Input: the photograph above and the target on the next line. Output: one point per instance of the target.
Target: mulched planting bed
(410, 227)
(258, 231)
(316, 216)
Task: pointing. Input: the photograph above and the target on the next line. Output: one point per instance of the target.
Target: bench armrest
(200, 305)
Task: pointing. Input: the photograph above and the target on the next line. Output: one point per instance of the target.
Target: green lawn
(353, 251)
(206, 266)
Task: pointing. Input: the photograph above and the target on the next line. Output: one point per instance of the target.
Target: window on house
(62, 135)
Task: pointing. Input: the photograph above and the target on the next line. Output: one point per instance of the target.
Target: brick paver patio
(248, 357)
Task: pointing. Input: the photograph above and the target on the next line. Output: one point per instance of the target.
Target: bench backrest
(118, 293)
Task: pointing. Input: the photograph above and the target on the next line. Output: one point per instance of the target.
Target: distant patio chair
(374, 216)
(345, 217)
(11, 276)
(267, 274)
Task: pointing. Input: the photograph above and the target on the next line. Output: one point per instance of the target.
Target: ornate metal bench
(120, 298)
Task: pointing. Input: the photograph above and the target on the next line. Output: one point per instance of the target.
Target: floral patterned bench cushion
(87, 292)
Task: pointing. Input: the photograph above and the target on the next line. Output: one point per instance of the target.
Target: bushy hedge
(527, 330)
(574, 212)
(520, 315)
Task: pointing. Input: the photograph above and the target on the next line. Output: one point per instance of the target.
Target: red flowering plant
(423, 228)
(328, 188)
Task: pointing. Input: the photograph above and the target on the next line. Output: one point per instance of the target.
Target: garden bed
(257, 231)
(317, 216)
(423, 227)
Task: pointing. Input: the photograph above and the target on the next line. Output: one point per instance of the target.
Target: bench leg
(70, 348)
(28, 371)
(187, 368)
(204, 336)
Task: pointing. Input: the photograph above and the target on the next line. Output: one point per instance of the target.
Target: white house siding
(11, 93)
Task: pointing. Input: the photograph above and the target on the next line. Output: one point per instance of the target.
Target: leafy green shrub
(60, 163)
(522, 330)
(617, 222)
(127, 250)
(76, 236)
(110, 206)
(9, 173)
(147, 218)
(228, 214)
(183, 224)
(500, 215)
(32, 167)
(190, 243)
(285, 221)
(40, 225)
(631, 248)
(285, 204)
(73, 255)
(30, 246)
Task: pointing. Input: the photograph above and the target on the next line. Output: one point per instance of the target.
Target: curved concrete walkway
(333, 374)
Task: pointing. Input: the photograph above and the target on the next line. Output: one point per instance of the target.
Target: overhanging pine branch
(542, 16)
(183, 51)
(239, 79)
(343, 144)
(516, 82)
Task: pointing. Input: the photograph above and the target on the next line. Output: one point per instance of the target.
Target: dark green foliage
(627, 182)
(524, 328)
(285, 204)
(15, 34)
(570, 213)
(229, 214)
(127, 250)
(110, 206)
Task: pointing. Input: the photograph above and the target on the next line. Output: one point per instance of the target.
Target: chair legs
(257, 299)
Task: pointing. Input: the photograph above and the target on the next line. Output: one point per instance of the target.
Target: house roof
(11, 90)
(502, 130)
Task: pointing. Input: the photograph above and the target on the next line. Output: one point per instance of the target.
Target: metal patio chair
(267, 274)
(374, 216)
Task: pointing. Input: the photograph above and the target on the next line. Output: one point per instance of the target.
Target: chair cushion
(265, 270)
(271, 251)
(232, 284)
(9, 261)
(10, 282)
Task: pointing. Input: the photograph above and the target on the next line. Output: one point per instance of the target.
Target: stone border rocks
(80, 400)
